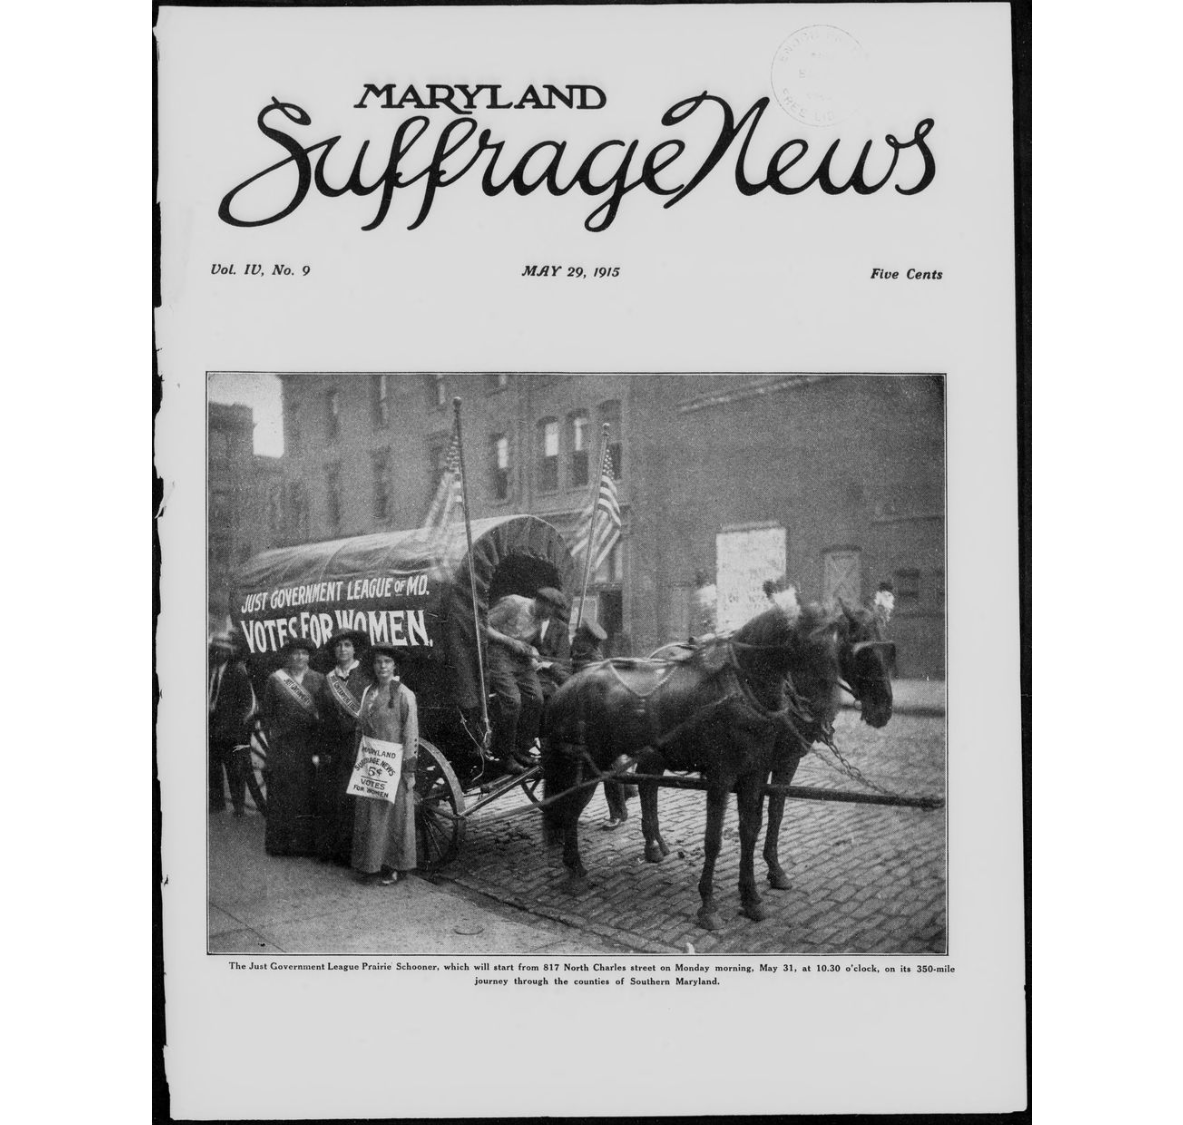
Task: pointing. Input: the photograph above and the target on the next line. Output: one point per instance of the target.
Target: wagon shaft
(798, 792)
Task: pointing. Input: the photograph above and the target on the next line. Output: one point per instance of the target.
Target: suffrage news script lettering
(671, 168)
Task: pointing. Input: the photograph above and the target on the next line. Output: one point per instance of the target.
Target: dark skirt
(291, 786)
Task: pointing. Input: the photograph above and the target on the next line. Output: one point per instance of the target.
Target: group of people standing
(314, 725)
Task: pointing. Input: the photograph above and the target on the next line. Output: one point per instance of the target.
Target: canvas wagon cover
(391, 586)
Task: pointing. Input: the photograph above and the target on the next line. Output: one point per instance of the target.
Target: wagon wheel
(529, 784)
(439, 809)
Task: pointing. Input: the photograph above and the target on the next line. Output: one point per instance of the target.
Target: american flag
(444, 525)
(605, 512)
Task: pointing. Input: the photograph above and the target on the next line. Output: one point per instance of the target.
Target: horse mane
(772, 628)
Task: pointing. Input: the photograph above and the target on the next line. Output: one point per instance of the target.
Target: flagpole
(591, 531)
(476, 621)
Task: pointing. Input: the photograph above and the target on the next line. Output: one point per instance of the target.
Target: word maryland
(384, 626)
(421, 160)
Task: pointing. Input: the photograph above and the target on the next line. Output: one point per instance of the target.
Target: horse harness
(739, 690)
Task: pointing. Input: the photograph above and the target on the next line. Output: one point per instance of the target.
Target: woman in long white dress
(384, 831)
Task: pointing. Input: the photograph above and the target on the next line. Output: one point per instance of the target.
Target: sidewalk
(264, 904)
(912, 697)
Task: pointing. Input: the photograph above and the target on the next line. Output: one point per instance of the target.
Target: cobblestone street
(866, 879)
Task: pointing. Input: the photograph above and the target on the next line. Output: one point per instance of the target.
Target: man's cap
(555, 597)
(593, 629)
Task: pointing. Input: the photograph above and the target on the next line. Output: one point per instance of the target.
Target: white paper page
(771, 289)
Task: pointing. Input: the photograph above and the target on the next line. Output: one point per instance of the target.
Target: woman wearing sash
(293, 700)
(384, 831)
(346, 683)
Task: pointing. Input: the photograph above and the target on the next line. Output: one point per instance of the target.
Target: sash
(344, 697)
(296, 691)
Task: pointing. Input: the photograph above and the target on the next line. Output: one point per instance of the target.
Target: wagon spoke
(439, 809)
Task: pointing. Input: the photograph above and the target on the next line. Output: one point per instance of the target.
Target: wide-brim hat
(294, 643)
(381, 648)
(357, 637)
(555, 597)
(592, 629)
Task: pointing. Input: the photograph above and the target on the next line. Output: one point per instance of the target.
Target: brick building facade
(846, 473)
(244, 502)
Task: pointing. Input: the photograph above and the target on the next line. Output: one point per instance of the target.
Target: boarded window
(842, 576)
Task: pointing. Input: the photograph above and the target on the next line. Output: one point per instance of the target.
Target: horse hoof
(708, 919)
(664, 847)
(654, 854)
(755, 911)
(778, 880)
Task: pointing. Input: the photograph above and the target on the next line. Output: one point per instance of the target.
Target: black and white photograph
(568, 584)
(589, 462)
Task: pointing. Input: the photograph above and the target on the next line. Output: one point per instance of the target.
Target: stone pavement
(265, 904)
(866, 879)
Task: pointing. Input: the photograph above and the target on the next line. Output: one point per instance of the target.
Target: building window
(608, 573)
(381, 401)
(907, 589)
(580, 427)
(842, 576)
(548, 455)
(497, 381)
(381, 469)
(437, 391)
(610, 414)
(499, 458)
(333, 414)
(333, 479)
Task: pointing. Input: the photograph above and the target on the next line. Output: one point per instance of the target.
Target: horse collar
(742, 679)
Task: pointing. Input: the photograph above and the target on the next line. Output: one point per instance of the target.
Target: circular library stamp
(819, 75)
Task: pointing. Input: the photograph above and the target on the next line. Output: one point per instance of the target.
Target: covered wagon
(427, 598)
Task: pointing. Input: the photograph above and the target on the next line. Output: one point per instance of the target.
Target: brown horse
(723, 710)
(865, 660)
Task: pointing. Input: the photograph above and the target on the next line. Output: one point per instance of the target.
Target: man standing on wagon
(554, 646)
(512, 629)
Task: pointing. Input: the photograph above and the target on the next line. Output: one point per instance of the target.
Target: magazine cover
(589, 633)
